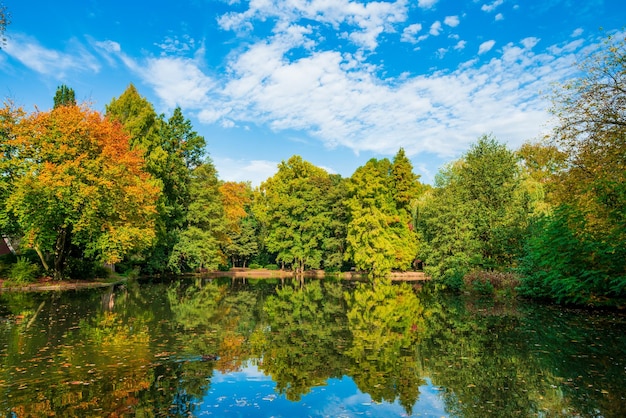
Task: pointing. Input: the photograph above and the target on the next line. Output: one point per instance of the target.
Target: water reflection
(320, 348)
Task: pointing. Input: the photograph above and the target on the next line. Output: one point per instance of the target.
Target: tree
(587, 230)
(406, 185)
(477, 214)
(76, 182)
(4, 22)
(241, 240)
(198, 246)
(378, 238)
(172, 149)
(64, 96)
(296, 213)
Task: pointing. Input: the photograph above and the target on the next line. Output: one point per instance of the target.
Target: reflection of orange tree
(101, 369)
(215, 321)
(301, 347)
(385, 321)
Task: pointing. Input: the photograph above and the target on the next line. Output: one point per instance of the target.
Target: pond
(264, 348)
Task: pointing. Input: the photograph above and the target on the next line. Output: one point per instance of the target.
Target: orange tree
(75, 184)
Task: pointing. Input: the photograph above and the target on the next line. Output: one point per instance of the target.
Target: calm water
(217, 348)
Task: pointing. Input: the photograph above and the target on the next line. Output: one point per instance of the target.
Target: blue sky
(335, 81)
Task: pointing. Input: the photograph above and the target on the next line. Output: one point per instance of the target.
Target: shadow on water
(281, 347)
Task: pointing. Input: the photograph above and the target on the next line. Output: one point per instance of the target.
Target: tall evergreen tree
(64, 96)
(378, 238)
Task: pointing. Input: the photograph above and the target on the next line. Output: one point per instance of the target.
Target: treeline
(135, 189)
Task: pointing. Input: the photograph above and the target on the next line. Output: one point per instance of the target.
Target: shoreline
(46, 284)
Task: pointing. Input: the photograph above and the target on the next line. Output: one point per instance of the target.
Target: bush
(254, 266)
(23, 271)
(489, 282)
(271, 266)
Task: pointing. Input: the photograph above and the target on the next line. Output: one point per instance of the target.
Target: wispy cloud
(337, 98)
(255, 171)
(51, 62)
(490, 7)
(367, 20)
(177, 80)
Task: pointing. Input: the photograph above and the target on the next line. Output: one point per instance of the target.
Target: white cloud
(426, 4)
(435, 28)
(51, 62)
(337, 98)
(460, 45)
(491, 7)
(408, 34)
(452, 21)
(486, 46)
(499, 17)
(577, 32)
(367, 20)
(255, 171)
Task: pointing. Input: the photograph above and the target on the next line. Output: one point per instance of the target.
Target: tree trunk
(42, 258)
(60, 252)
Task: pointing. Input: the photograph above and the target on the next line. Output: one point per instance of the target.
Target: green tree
(172, 149)
(64, 96)
(406, 185)
(385, 321)
(379, 238)
(296, 212)
(477, 215)
(587, 230)
(198, 246)
(77, 183)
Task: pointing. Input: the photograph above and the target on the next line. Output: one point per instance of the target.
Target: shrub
(254, 266)
(271, 266)
(23, 271)
(487, 282)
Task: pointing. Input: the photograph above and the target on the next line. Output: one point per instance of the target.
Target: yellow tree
(76, 183)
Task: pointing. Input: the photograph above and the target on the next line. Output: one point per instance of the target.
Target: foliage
(379, 237)
(477, 215)
(241, 238)
(198, 245)
(576, 254)
(172, 150)
(4, 22)
(74, 181)
(489, 282)
(64, 96)
(295, 210)
(23, 271)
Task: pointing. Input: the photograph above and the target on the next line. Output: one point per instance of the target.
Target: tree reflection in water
(156, 350)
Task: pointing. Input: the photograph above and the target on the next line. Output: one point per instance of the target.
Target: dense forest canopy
(135, 189)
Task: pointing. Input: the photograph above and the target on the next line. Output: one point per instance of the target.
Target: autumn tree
(172, 149)
(241, 243)
(587, 231)
(77, 183)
